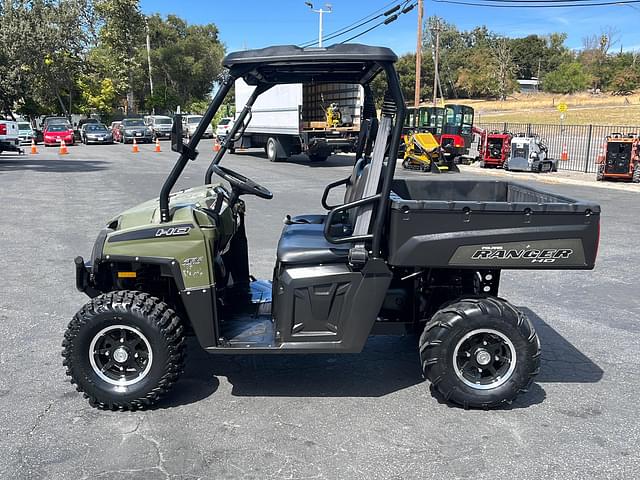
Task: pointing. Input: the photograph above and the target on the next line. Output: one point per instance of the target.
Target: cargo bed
(489, 224)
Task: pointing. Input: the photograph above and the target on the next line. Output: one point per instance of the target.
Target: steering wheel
(241, 183)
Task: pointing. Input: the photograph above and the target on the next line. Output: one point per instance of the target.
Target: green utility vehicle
(400, 256)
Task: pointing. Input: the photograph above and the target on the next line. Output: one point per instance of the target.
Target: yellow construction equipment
(423, 152)
(334, 116)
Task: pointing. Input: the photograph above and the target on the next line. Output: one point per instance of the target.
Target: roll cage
(267, 67)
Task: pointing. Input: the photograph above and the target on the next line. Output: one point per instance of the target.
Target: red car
(57, 132)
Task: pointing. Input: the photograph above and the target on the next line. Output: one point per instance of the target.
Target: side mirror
(176, 134)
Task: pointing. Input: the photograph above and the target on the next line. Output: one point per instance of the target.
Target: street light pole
(320, 12)
(416, 97)
(146, 23)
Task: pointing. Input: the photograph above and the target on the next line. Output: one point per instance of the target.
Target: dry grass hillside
(584, 109)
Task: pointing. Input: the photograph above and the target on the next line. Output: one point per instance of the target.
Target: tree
(625, 81)
(43, 50)
(122, 34)
(504, 67)
(186, 59)
(568, 78)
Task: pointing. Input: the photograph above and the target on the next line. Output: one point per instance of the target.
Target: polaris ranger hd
(397, 257)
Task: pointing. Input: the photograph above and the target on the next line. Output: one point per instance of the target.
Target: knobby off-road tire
(600, 173)
(124, 350)
(480, 352)
(636, 174)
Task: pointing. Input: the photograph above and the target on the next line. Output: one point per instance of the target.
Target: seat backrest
(354, 180)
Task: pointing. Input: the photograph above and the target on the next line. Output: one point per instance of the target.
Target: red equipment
(494, 148)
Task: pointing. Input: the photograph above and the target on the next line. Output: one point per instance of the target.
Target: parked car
(81, 123)
(9, 137)
(160, 125)
(224, 125)
(56, 132)
(26, 133)
(115, 131)
(95, 133)
(190, 124)
(51, 120)
(131, 128)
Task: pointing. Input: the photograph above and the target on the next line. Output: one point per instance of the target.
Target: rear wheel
(480, 352)
(272, 149)
(600, 173)
(124, 350)
(636, 174)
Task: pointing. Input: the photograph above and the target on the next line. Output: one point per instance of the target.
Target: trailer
(316, 119)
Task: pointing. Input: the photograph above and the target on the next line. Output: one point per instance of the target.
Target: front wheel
(636, 174)
(124, 350)
(480, 352)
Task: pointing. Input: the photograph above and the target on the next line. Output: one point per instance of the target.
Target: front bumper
(99, 140)
(147, 137)
(84, 277)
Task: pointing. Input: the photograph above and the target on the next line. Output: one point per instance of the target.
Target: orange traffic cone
(34, 149)
(216, 145)
(565, 155)
(63, 148)
(157, 150)
(135, 148)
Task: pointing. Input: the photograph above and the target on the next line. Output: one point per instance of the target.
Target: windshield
(224, 121)
(162, 121)
(133, 122)
(24, 126)
(95, 127)
(194, 119)
(57, 128)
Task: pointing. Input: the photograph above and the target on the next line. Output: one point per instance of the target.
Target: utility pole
(146, 23)
(321, 12)
(436, 61)
(416, 98)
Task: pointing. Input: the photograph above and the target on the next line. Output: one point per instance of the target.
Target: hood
(180, 204)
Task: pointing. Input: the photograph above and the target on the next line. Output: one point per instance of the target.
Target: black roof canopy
(342, 63)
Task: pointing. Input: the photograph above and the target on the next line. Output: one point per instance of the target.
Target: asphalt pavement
(360, 416)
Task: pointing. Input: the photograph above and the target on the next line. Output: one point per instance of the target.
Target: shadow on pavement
(386, 365)
(16, 163)
(332, 161)
(562, 362)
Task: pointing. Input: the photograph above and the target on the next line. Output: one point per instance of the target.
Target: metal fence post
(586, 158)
(528, 129)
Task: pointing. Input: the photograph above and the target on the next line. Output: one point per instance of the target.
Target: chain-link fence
(582, 142)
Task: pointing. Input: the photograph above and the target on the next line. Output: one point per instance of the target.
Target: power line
(359, 23)
(538, 3)
(392, 18)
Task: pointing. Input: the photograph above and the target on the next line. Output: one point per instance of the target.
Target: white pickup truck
(9, 139)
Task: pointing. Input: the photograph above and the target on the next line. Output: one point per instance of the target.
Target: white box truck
(291, 119)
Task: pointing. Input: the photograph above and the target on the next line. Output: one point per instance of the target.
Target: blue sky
(254, 23)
